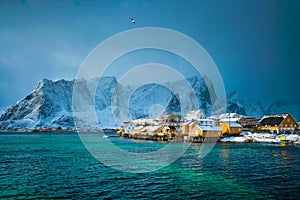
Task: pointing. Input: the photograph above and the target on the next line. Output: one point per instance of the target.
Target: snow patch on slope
(49, 105)
(243, 106)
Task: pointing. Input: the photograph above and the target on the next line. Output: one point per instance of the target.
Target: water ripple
(58, 167)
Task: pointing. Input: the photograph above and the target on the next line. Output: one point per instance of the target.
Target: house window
(288, 120)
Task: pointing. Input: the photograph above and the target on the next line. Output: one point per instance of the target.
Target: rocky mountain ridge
(49, 105)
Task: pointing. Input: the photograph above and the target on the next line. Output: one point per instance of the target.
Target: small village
(230, 127)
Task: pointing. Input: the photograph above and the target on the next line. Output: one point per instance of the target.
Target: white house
(194, 115)
(128, 127)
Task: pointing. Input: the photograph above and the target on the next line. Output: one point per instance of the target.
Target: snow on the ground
(261, 138)
(234, 139)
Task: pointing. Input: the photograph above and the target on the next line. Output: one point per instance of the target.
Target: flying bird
(133, 21)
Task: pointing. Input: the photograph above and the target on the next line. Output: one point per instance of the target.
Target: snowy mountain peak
(243, 106)
(48, 101)
(49, 105)
(2, 109)
(43, 83)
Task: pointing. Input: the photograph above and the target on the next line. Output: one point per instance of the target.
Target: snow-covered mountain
(145, 97)
(49, 105)
(148, 95)
(202, 94)
(243, 106)
(284, 107)
(2, 109)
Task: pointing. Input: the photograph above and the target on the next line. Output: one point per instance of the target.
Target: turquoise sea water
(57, 165)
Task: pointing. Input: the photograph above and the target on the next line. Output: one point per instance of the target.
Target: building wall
(236, 130)
(287, 124)
(198, 132)
(185, 129)
(129, 128)
(189, 127)
(269, 128)
(211, 134)
(166, 130)
(225, 128)
(195, 132)
(230, 130)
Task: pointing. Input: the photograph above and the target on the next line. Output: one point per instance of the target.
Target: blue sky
(255, 44)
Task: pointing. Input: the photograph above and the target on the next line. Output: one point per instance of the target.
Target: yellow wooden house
(120, 131)
(231, 128)
(151, 130)
(278, 123)
(188, 126)
(167, 130)
(137, 130)
(205, 131)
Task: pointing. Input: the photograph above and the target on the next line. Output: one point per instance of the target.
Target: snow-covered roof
(186, 123)
(145, 121)
(151, 128)
(127, 124)
(235, 119)
(233, 124)
(272, 120)
(205, 120)
(228, 117)
(210, 128)
(189, 123)
(138, 127)
(275, 116)
(195, 114)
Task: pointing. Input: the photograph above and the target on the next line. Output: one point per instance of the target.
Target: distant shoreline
(55, 131)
